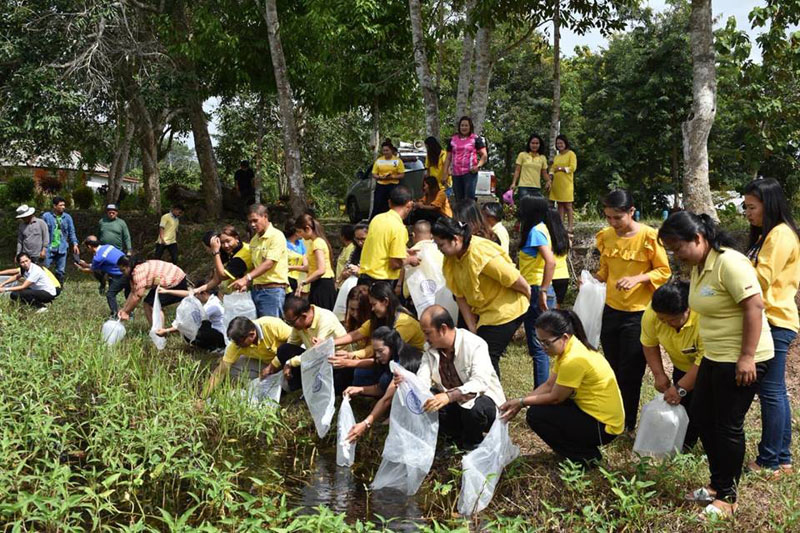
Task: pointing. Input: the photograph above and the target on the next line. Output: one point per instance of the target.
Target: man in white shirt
(457, 364)
(37, 287)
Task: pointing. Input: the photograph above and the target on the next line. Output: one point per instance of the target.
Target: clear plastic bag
(589, 306)
(345, 450)
(662, 429)
(158, 323)
(411, 443)
(340, 307)
(317, 376)
(113, 331)
(264, 390)
(237, 304)
(483, 466)
(189, 317)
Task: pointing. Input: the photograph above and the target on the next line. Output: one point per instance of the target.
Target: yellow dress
(563, 188)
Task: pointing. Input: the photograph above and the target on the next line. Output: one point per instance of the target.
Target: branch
(531, 29)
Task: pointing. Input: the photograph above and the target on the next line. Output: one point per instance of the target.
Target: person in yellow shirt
(774, 250)
(579, 408)
(669, 323)
(492, 295)
(352, 266)
(726, 296)
(433, 204)
(387, 170)
(168, 233)
(232, 258)
(562, 191)
(347, 235)
(298, 260)
(530, 169)
(435, 159)
(319, 263)
(493, 214)
(633, 263)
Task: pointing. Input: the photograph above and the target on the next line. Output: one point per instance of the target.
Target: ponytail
(685, 226)
(308, 221)
(560, 321)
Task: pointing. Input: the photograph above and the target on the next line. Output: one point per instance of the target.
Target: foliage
(50, 184)
(83, 197)
(20, 189)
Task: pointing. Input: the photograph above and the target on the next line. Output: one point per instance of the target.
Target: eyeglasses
(547, 342)
(291, 321)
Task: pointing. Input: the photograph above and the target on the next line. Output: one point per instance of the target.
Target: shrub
(83, 197)
(50, 184)
(20, 189)
(130, 202)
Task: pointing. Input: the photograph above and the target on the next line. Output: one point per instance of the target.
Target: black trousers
(467, 426)
(33, 297)
(622, 348)
(560, 286)
(380, 199)
(569, 431)
(693, 432)
(208, 338)
(718, 409)
(171, 248)
(498, 337)
(323, 293)
(116, 285)
(342, 378)
(166, 299)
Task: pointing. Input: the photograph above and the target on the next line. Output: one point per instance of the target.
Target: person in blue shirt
(104, 260)
(62, 237)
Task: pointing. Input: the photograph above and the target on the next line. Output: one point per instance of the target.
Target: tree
(555, 117)
(429, 93)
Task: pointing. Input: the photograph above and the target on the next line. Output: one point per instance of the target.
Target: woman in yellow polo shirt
(435, 158)
(579, 408)
(565, 163)
(726, 296)
(319, 266)
(633, 263)
(492, 295)
(774, 250)
(387, 170)
(669, 323)
(232, 258)
(530, 169)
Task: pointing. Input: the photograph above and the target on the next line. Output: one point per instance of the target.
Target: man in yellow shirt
(168, 233)
(270, 274)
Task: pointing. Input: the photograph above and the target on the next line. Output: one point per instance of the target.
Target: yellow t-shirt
(437, 171)
(344, 257)
(272, 332)
(169, 224)
(295, 259)
(563, 188)
(684, 347)
(531, 166)
(715, 293)
(532, 267)
(383, 166)
(324, 325)
(483, 276)
(311, 247)
(387, 238)
(442, 203)
(53, 279)
(406, 325)
(631, 256)
(778, 270)
(271, 246)
(501, 233)
(596, 389)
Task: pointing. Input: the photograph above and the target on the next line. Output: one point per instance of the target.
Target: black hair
(91, 241)
(239, 328)
(207, 236)
(468, 212)
(434, 151)
(244, 163)
(388, 143)
(410, 358)
(178, 206)
(400, 196)
(391, 338)
(259, 209)
(433, 185)
(672, 298)
(296, 305)
(348, 231)
(127, 261)
(776, 211)
(381, 290)
(21, 255)
(534, 210)
(58, 199)
(560, 321)
(563, 138)
(360, 226)
(686, 226)
(440, 316)
(541, 144)
(495, 210)
(309, 221)
(471, 125)
(447, 228)
(619, 200)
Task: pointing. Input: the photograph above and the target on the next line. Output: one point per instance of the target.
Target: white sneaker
(41, 310)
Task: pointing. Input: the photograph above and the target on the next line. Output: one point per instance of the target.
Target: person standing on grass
(270, 275)
(669, 323)
(114, 231)
(726, 295)
(347, 235)
(633, 263)
(38, 286)
(319, 265)
(148, 276)
(493, 214)
(774, 250)
(387, 170)
(435, 160)
(579, 408)
(168, 233)
(530, 169)
(33, 237)
(466, 154)
(563, 170)
(62, 237)
(105, 259)
(492, 295)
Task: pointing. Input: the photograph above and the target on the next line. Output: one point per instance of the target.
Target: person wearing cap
(114, 231)
(104, 261)
(62, 237)
(33, 236)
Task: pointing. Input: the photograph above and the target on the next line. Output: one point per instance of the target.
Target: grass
(97, 438)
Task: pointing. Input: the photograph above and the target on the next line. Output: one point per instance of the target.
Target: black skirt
(323, 293)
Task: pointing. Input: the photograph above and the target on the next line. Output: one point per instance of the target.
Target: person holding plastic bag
(669, 323)
(148, 276)
(726, 295)
(429, 268)
(211, 333)
(633, 264)
(232, 257)
(457, 365)
(579, 408)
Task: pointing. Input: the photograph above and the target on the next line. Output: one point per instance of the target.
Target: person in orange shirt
(433, 204)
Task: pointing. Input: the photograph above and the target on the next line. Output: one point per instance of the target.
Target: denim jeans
(116, 284)
(776, 412)
(269, 302)
(541, 361)
(464, 186)
(60, 260)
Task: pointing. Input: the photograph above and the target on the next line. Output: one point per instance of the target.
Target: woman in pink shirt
(463, 161)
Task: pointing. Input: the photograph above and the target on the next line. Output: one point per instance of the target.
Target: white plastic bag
(444, 297)
(423, 284)
(189, 317)
(589, 306)
(158, 323)
(483, 466)
(662, 429)
(317, 376)
(113, 331)
(340, 307)
(411, 443)
(345, 450)
(264, 390)
(237, 304)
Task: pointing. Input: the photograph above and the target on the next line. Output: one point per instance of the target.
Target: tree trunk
(211, 187)
(150, 173)
(259, 150)
(297, 190)
(555, 116)
(121, 153)
(375, 135)
(675, 167)
(429, 95)
(483, 73)
(696, 188)
(465, 70)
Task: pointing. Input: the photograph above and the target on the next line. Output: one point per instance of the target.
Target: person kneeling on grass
(38, 286)
(579, 408)
(146, 275)
(253, 351)
(211, 335)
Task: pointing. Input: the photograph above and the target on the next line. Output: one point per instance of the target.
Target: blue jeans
(60, 261)
(449, 192)
(269, 302)
(541, 361)
(464, 185)
(776, 413)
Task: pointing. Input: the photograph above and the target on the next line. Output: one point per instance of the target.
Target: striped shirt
(155, 272)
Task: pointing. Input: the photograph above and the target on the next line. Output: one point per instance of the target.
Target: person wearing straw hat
(33, 235)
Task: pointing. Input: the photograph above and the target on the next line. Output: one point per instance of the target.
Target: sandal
(712, 511)
(701, 495)
(770, 474)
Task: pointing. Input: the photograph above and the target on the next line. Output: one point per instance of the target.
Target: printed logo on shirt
(413, 402)
(706, 291)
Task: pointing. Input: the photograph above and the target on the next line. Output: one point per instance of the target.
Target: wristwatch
(681, 391)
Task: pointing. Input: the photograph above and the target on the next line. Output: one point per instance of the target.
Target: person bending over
(211, 335)
(38, 286)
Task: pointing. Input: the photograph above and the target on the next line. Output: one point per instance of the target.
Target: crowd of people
(726, 330)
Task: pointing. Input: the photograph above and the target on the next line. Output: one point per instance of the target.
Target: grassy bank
(97, 438)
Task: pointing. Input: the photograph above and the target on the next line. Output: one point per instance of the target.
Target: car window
(413, 164)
